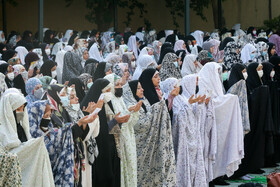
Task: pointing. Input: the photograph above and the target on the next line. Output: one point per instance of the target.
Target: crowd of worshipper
(109, 109)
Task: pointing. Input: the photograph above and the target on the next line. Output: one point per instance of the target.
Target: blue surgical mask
(225, 76)
(65, 101)
(264, 53)
(252, 55)
(191, 47)
(112, 39)
(176, 64)
(89, 85)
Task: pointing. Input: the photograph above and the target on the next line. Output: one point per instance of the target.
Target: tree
(101, 12)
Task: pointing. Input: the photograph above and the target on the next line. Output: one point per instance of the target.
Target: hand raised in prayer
(136, 107)
(85, 120)
(201, 100)
(175, 91)
(194, 100)
(100, 103)
(122, 119)
(159, 66)
(207, 100)
(90, 108)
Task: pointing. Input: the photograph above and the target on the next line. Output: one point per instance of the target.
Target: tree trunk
(215, 13)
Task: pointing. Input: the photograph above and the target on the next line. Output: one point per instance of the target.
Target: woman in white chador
(15, 137)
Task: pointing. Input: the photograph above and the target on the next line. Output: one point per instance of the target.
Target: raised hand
(122, 119)
(90, 108)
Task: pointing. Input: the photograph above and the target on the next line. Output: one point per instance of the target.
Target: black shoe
(259, 171)
(220, 181)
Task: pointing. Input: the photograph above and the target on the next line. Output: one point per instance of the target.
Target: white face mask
(54, 74)
(254, 32)
(260, 73)
(245, 75)
(48, 51)
(76, 107)
(39, 93)
(24, 75)
(175, 63)
(11, 76)
(272, 73)
(191, 47)
(107, 97)
(133, 64)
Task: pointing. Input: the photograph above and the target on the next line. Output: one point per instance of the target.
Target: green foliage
(273, 23)
(13, 2)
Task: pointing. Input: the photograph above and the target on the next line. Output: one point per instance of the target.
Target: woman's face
(122, 41)
(126, 73)
(260, 67)
(48, 112)
(20, 109)
(237, 51)
(244, 70)
(90, 80)
(74, 99)
(109, 72)
(10, 69)
(140, 91)
(212, 49)
(85, 55)
(184, 45)
(53, 68)
(156, 79)
(273, 50)
(195, 63)
(37, 87)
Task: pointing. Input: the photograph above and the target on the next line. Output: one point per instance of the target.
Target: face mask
(54, 74)
(260, 73)
(11, 76)
(225, 76)
(133, 64)
(272, 73)
(89, 85)
(176, 64)
(107, 97)
(191, 47)
(111, 39)
(181, 90)
(264, 53)
(39, 93)
(245, 75)
(45, 123)
(196, 89)
(24, 75)
(76, 107)
(64, 101)
(118, 92)
(48, 51)
(19, 116)
(254, 32)
(252, 55)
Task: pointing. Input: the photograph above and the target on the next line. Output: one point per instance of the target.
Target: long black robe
(106, 167)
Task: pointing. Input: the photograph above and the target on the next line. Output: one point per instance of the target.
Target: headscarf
(133, 87)
(236, 74)
(85, 77)
(29, 88)
(198, 35)
(8, 55)
(43, 48)
(163, 52)
(79, 87)
(90, 66)
(119, 69)
(253, 81)
(171, 38)
(267, 68)
(9, 102)
(275, 39)
(179, 45)
(144, 63)
(113, 58)
(261, 47)
(67, 35)
(2, 40)
(202, 55)
(57, 47)
(132, 45)
(246, 51)
(100, 71)
(189, 85)
(216, 44)
(224, 43)
(230, 54)
(275, 60)
(72, 38)
(21, 52)
(126, 58)
(181, 54)
(29, 58)
(168, 68)
(188, 66)
(147, 84)
(59, 60)
(270, 46)
(46, 81)
(207, 45)
(3, 85)
(46, 68)
(209, 78)
(94, 53)
(72, 66)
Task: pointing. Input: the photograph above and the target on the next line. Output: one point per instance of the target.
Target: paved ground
(258, 178)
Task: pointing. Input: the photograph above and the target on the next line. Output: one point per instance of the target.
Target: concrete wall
(59, 17)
